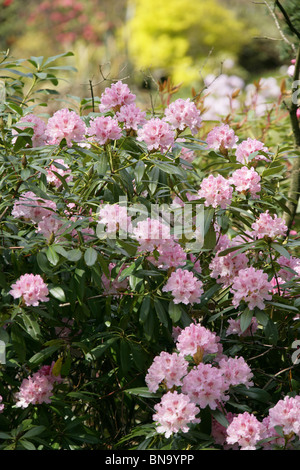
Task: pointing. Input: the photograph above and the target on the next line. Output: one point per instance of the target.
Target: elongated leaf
(90, 256)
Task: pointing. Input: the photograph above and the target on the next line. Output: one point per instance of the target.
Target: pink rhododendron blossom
(268, 226)
(182, 114)
(225, 268)
(205, 386)
(157, 135)
(184, 287)
(132, 116)
(251, 286)
(37, 124)
(51, 226)
(115, 96)
(30, 207)
(247, 181)
(195, 337)
(170, 255)
(236, 371)
(293, 265)
(1, 404)
(174, 413)
(167, 369)
(31, 288)
(38, 388)
(115, 217)
(234, 328)
(221, 137)
(216, 191)
(277, 285)
(60, 167)
(151, 233)
(286, 414)
(268, 432)
(249, 146)
(245, 430)
(65, 124)
(112, 286)
(103, 129)
(185, 153)
(176, 330)
(218, 432)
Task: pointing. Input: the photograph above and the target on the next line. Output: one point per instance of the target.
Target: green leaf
(58, 293)
(52, 59)
(271, 332)
(90, 256)
(254, 393)
(31, 325)
(74, 255)
(18, 342)
(125, 356)
(220, 417)
(142, 392)
(52, 256)
(262, 317)
(161, 313)
(245, 319)
(27, 445)
(34, 431)
(174, 312)
(281, 250)
(44, 354)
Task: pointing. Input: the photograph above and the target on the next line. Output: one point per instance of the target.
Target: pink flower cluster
(234, 327)
(184, 287)
(38, 388)
(170, 255)
(115, 96)
(65, 124)
(174, 413)
(182, 114)
(248, 147)
(246, 180)
(31, 207)
(37, 124)
(112, 286)
(1, 405)
(51, 226)
(251, 286)
(60, 167)
(131, 116)
(246, 431)
(268, 226)
(103, 129)
(200, 382)
(216, 191)
(151, 234)
(195, 337)
(157, 135)
(235, 371)
(286, 413)
(221, 137)
(205, 386)
(225, 268)
(293, 267)
(167, 369)
(31, 288)
(115, 218)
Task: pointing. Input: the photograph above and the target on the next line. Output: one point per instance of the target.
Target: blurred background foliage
(147, 40)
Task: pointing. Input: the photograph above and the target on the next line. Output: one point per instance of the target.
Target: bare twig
(279, 27)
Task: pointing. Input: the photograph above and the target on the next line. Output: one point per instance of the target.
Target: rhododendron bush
(149, 273)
